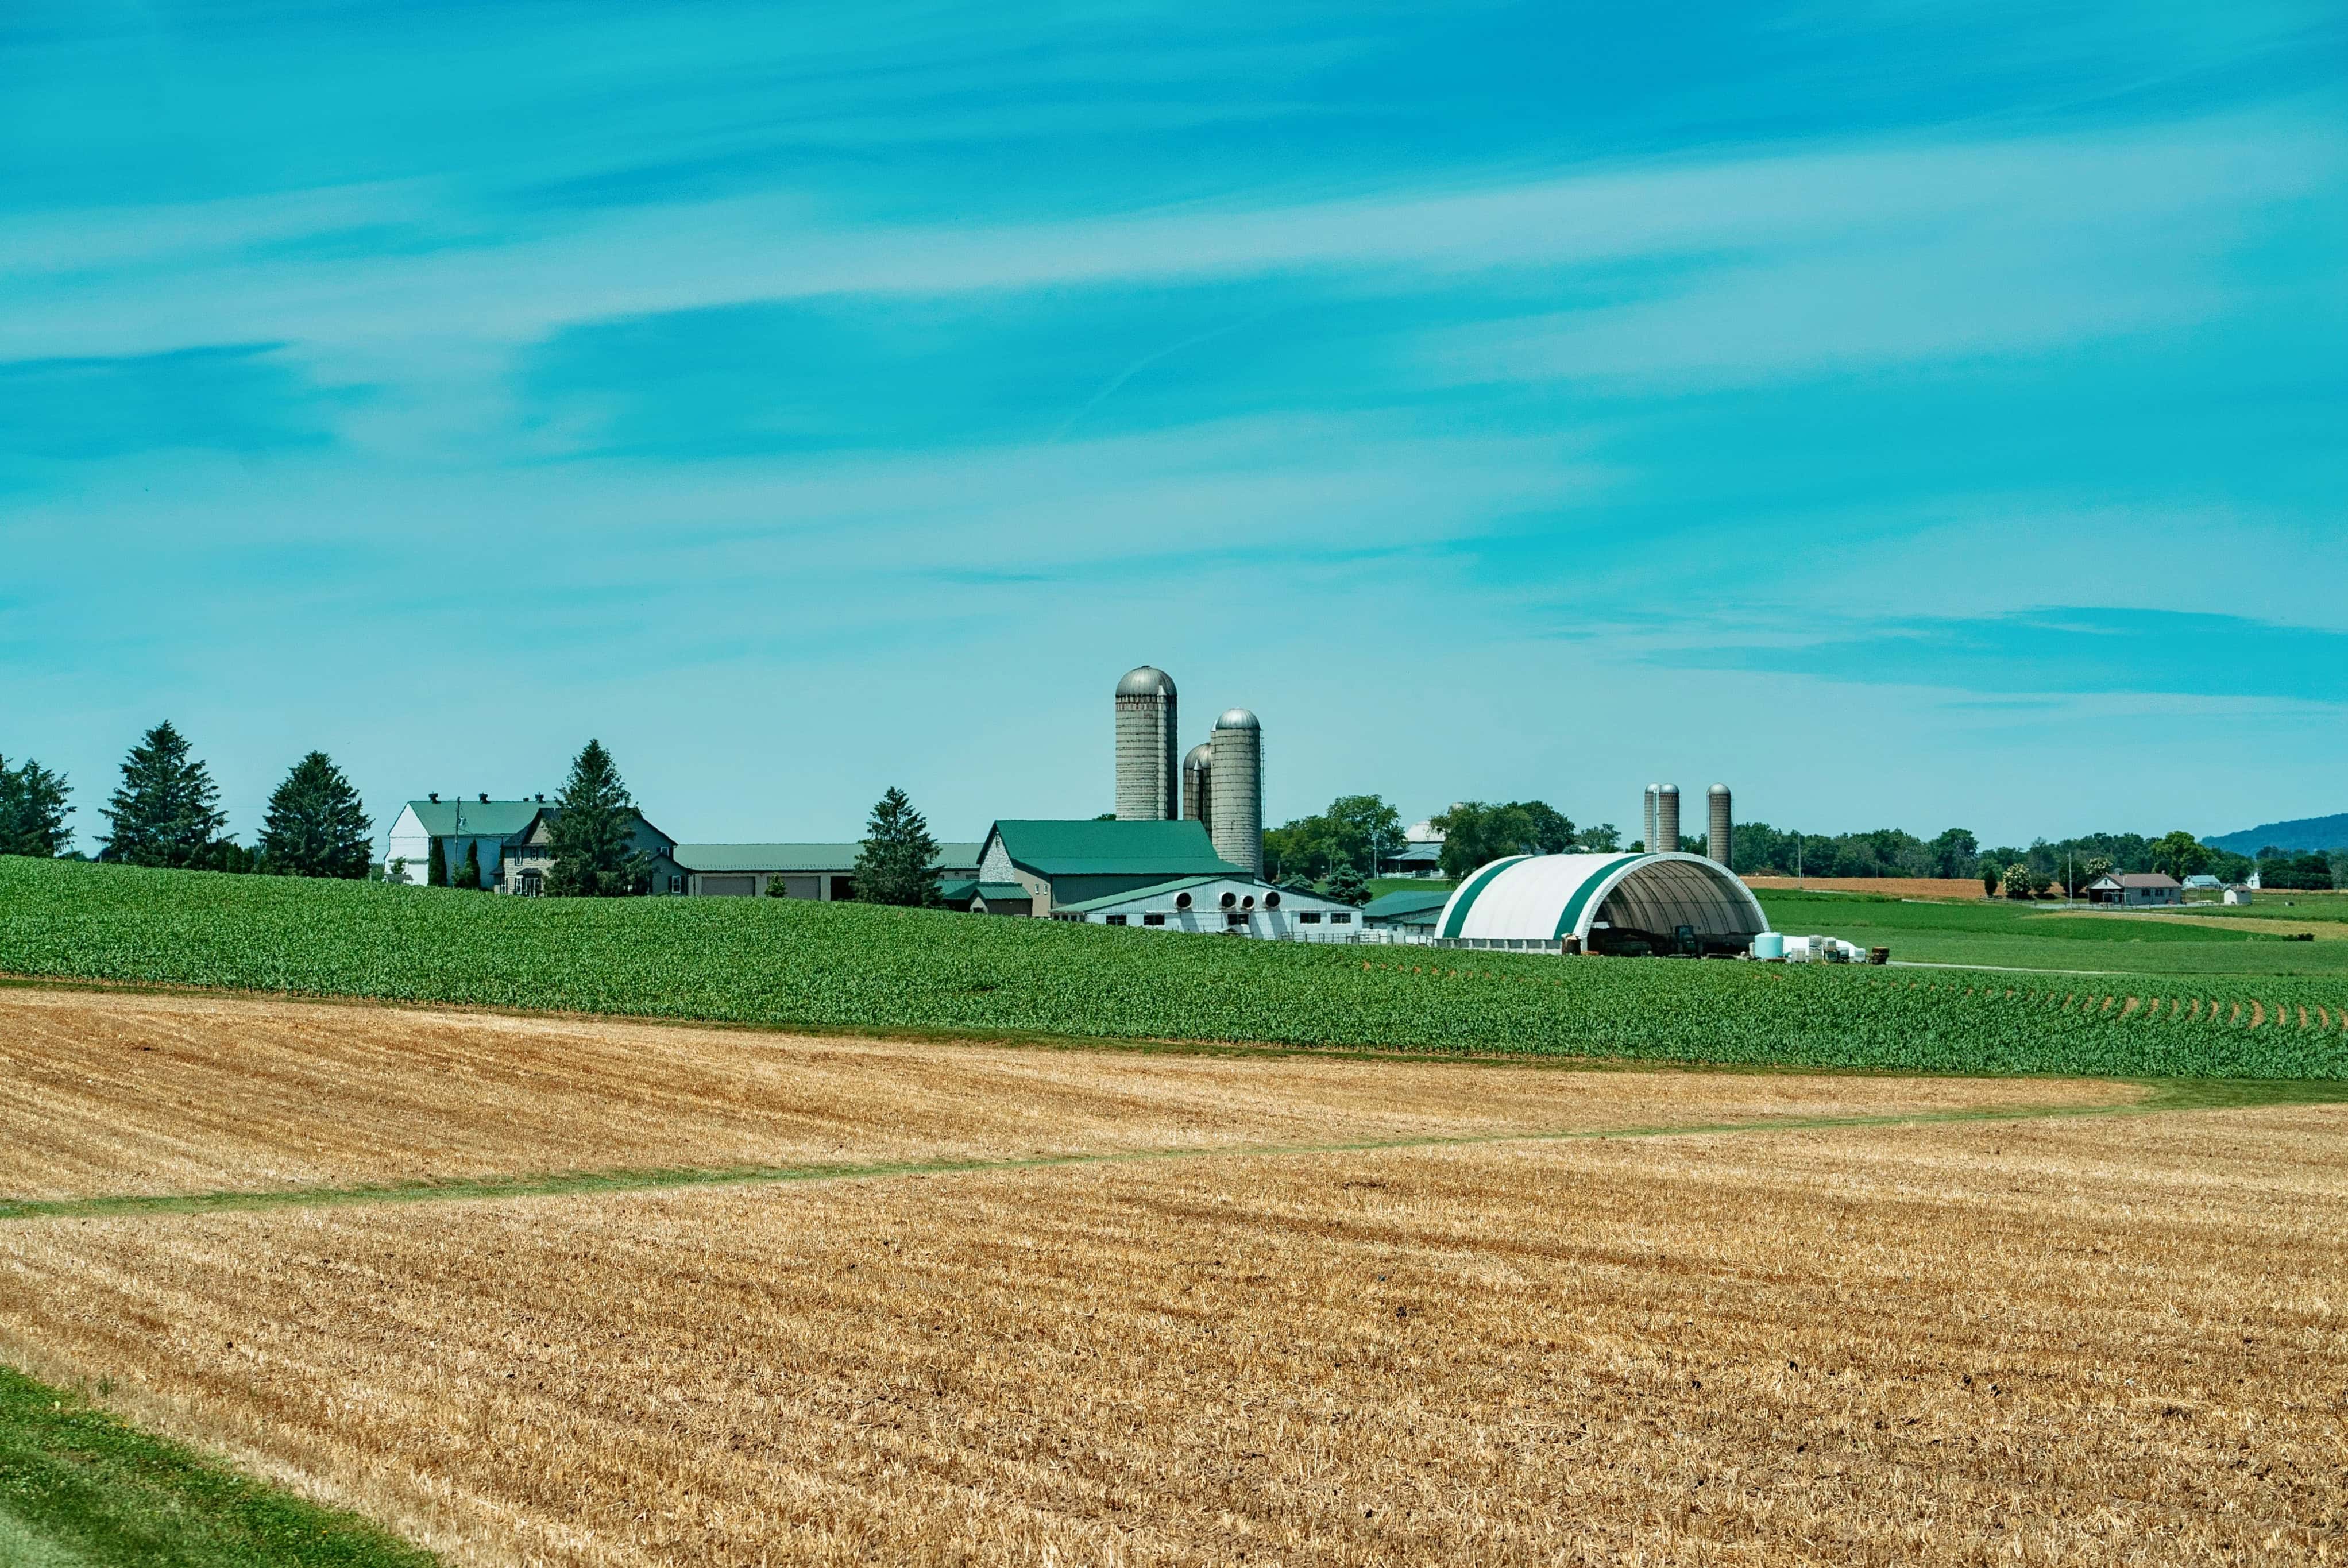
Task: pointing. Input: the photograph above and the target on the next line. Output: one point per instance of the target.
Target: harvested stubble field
(1958, 888)
(2065, 1338)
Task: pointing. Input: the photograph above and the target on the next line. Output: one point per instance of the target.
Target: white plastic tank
(1770, 945)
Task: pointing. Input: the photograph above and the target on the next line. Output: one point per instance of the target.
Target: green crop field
(2022, 936)
(785, 963)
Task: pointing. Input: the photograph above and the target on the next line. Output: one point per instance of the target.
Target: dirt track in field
(2071, 1339)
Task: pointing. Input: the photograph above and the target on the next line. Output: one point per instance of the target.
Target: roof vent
(436, 797)
(542, 800)
(485, 797)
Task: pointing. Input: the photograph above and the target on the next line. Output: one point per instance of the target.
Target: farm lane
(115, 1093)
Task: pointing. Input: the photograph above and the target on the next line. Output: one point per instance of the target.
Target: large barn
(1604, 904)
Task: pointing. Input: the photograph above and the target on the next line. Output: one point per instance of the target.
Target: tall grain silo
(1723, 831)
(1148, 780)
(1235, 790)
(1197, 772)
(1647, 806)
(1667, 819)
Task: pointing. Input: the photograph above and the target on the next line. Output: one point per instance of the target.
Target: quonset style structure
(1606, 904)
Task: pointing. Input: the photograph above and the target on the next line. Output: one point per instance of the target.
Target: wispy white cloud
(776, 247)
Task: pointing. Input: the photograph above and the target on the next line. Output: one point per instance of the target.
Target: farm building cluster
(1183, 851)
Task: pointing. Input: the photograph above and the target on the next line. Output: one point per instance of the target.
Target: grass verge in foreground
(80, 1488)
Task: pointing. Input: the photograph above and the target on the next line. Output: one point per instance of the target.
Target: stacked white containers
(1148, 779)
(1235, 790)
(1667, 819)
(1723, 833)
(1198, 771)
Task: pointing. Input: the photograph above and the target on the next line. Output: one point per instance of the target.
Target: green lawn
(1381, 886)
(2023, 936)
(81, 1490)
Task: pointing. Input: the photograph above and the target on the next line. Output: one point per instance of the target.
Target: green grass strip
(2188, 1094)
(80, 1488)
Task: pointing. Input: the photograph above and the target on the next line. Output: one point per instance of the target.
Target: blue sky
(1910, 413)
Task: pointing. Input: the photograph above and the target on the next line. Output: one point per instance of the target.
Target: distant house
(2134, 890)
(509, 840)
(824, 871)
(1417, 860)
(1410, 910)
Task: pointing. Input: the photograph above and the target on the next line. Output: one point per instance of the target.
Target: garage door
(729, 887)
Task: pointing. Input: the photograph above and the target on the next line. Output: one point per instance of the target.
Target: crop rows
(782, 962)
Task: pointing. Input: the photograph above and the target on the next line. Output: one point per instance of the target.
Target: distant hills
(2302, 833)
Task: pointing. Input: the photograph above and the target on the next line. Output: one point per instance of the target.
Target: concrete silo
(1197, 773)
(1667, 819)
(1647, 811)
(1723, 828)
(1235, 791)
(1148, 775)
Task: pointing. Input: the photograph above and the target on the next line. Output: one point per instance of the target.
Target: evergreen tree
(1346, 885)
(167, 812)
(896, 865)
(467, 871)
(593, 832)
(315, 825)
(435, 866)
(33, 809)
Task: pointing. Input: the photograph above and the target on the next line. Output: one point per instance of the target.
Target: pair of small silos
(1663, 808)
(1218, 784)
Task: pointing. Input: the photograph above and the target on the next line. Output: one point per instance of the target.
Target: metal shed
(1656, 902)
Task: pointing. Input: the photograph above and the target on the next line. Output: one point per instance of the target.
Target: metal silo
(1198, 771)
(1147, 777)
(1647, 832)
(1667, 819)
(1235, 791)
(1723, 834)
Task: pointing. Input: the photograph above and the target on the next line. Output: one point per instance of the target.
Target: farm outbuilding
(1608, 904)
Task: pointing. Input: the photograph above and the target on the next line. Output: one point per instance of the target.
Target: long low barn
(824, 871)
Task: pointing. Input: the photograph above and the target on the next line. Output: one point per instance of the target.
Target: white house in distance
(508, 839)
(2135, 890)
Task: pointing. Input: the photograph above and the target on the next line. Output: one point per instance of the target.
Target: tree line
(165, 811)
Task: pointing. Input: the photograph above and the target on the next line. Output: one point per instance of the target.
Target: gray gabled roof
(836, 858)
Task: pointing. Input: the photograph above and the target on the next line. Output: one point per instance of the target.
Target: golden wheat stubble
(2108, 1341)
(109, 1093)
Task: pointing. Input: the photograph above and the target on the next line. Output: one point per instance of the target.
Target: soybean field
(847, 966)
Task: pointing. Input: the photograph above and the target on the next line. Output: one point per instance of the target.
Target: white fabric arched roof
(1541, 898)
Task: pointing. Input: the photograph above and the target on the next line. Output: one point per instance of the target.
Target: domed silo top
(1201, 756)
(1717, 789)
(1237, 718)
(1147, 681)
